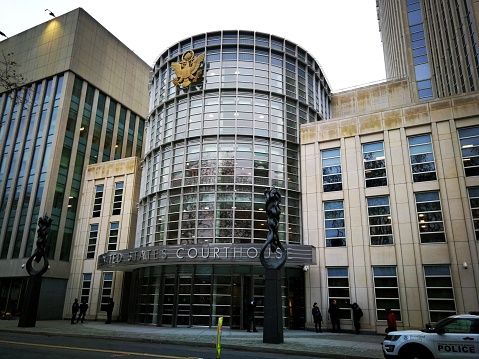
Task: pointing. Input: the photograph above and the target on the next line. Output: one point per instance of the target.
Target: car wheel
(415, 352)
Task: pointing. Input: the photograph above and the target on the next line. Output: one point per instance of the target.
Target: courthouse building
(379, 184)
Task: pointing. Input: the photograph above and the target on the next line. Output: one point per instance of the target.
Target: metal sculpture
(39, 254)
(273, 200)
(187, 70)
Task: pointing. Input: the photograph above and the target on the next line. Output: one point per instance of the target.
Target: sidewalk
(301, 342)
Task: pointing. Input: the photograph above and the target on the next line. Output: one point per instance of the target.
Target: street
(32, 346)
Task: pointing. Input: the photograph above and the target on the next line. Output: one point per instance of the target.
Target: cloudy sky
(342, 35)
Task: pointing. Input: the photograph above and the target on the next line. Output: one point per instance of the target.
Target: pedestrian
(109, 310)
(392, 325)
(83, 309)
(334, 315)
(250, 313)
(75, 308)
(317, 317)
(357, 314)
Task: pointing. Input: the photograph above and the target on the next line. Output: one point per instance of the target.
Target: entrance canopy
(215, 253)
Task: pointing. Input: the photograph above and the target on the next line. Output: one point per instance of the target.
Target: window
(92, 240)
(117, 198)
(440, 294)
(113, 236)
(338, 288)
(106, 290)
(331, 164)
(374, 164)
(379, 214)
(469, 141)
(474, 202)
(422, 158)
(85, 288)
(386, 292)
(335, 232)
(461, 326)
(429, 217)
(98, 200)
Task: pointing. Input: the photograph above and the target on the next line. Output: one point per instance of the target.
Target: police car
(455, 337)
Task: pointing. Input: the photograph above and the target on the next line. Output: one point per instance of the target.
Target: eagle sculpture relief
(187, 69)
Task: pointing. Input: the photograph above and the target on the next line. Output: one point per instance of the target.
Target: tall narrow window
(386, 291)
(92, 241)
(440, 294)
(338, 288)
(374, 164)
(474, 202)
(85, 288)
(379, 213)
(469, 141)
(335, 233)
(331, 165)
(113, 236)
(422, 158)
(106, 290)
(117, 198)
(98, 200)
(429, 217)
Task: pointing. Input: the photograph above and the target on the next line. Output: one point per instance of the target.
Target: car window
(460, 325)
(476, 326)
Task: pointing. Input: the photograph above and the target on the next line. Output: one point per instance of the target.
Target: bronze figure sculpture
(273, 200)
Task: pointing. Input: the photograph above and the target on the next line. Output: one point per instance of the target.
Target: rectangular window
(379, 214)
(422, 158)
(117, 198)
(98, 200)
(386, 291)
(429, 217)
(474, 203)
(338, 288)
(92, 241)
(469, 141)
(106, 290)
(85, 288)
(374, 164)
(440, 294)
(331, 165)
(113, 236)
(335, 233)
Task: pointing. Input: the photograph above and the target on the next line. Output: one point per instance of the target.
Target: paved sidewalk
(301, 342)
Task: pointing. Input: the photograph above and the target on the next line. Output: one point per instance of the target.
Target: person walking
(75, 308)
(250, 313)
(109, 310)
(357, 314)
(334, 315)
(391, 319)
(83, 309)
(317, 318)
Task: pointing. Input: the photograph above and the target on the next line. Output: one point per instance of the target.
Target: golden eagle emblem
(187, 69)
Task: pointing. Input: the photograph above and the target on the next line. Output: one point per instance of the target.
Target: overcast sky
(342, 35)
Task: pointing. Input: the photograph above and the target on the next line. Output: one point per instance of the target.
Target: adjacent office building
(84, 102)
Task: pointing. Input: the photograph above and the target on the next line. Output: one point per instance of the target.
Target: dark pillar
(30, 302)
(273, 309)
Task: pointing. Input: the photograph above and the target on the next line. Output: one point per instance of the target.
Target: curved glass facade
(212, 148)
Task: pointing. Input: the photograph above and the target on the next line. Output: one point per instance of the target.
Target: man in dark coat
(83, 309)
(75, 308)
(250, 313)
(357, 314)
(109, 310)
(317, 317)
(334, 315)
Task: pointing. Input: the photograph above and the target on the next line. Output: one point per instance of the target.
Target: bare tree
(10, 79)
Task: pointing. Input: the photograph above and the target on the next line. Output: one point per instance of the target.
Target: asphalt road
(31, 346)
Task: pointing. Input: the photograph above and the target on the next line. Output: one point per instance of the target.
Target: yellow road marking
(95, 350)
